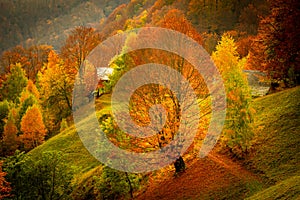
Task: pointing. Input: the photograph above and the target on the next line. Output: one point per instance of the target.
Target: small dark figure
(179, 165)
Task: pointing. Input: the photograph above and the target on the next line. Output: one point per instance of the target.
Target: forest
(50, 73)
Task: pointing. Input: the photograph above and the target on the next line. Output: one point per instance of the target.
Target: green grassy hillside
(277, 144)
(276, 152)
(275, 155)
(69, 143)
(287, 189)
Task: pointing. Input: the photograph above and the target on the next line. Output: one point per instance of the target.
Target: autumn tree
(30, 89)
(175, 20)
(276, 48)
(237, 131)
(37, 56)
(5, 187)
(56, 86)
(149, 95)
(31, 59)
(136, 22)
(78, 45)
(29, 97)
(33, 128)
(12, 57)
(10, 140)
(15, 83)
(24, 105)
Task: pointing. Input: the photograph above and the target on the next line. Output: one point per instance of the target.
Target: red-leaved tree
(277, 46)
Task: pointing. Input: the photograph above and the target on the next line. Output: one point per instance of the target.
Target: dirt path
(203, 179)
(233, 167)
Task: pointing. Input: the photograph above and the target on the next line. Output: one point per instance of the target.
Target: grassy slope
(275, 156)
(276, 153)
(287, 189)
(70, 144)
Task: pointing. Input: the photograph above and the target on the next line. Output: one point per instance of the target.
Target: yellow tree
(56, 86)
(237, 132)
(33, 128)
(29, 96)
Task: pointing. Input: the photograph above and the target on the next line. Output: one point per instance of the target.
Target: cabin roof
(104, 72)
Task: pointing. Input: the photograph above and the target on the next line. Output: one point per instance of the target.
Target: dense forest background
(48, 22)
(43, 45)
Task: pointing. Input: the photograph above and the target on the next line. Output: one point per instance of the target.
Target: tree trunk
(130, 185)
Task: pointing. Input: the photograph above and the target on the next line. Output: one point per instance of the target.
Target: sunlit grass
(287, 189)
(275, 155)
(277, 143)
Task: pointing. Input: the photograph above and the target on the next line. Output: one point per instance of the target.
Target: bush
(43, 178)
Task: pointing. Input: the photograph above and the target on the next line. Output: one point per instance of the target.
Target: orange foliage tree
(244, 45)
(10, 140)
(33, 128)
(31, 59)
(145, 97)
(5, 187)
(78, 45)
(30, 89)
(175, 20)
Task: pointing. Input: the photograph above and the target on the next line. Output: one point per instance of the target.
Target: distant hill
(30, 22)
